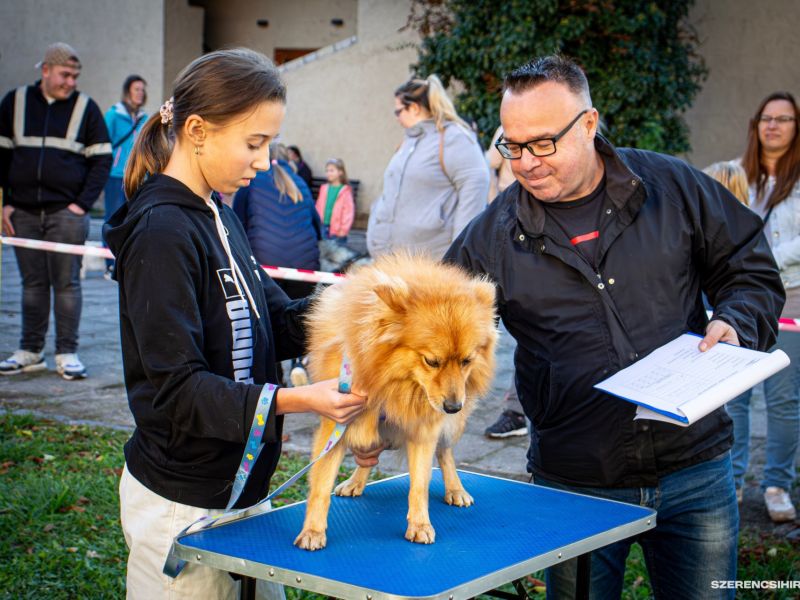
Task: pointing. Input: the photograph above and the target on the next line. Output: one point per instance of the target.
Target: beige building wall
(340, 105)
(183, 40)
(751, 50)
(298, 24)
(113, 38)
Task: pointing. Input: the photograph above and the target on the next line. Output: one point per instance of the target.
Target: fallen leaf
(91, 554)
(83, 500)
(48, 457)
(72, 549)
(48, 528)
(772, 552)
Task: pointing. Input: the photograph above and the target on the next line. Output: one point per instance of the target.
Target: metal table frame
(212, 547)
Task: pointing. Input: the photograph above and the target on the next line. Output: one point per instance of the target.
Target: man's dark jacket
(52, 154)
(669, 233)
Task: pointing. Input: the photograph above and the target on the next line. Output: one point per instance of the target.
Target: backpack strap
(441, 155)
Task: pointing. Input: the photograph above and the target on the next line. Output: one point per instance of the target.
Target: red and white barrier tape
(274, 272)
(789, 324)
(57, 247)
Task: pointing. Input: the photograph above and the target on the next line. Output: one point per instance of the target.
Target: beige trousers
(150, 524)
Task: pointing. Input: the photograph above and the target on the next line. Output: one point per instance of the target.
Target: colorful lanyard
(174, 565)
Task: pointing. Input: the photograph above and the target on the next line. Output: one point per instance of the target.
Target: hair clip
(166, 111)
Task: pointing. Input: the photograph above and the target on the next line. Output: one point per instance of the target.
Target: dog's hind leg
(454, 492)
(320, 481)
(355, 485)
(420, 462)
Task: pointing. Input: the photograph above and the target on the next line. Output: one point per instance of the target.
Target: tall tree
(639, 56)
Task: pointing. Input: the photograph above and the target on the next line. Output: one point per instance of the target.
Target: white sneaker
(70, 367)
(23, 361)
(779, 505)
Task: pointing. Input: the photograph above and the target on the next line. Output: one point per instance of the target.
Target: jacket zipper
(41, 155)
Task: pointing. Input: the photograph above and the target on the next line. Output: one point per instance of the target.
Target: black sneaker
(509, 423)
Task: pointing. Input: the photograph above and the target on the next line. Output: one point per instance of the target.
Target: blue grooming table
(513, 529)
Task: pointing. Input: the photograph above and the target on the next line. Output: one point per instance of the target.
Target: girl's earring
(197, 150)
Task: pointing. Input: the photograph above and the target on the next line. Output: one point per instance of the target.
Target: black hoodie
(194, 352)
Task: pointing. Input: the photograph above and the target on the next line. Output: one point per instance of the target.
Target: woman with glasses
(435, 183)
(772, 163)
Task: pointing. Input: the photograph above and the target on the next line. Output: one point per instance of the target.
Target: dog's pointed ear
(394, 296)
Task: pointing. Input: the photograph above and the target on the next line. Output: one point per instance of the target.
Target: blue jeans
(693, 543)
(326, 234)
(782, 397)
(42, 271)
(114, 195)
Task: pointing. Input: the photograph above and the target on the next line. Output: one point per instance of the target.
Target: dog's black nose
(452, 406)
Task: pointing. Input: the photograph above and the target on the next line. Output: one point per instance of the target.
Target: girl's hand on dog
(322, 398)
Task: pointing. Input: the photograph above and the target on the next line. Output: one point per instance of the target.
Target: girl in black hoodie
(202, 326)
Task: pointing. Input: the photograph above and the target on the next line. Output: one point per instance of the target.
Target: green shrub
(639, 56)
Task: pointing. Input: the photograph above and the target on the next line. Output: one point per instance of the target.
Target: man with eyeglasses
(601, 255)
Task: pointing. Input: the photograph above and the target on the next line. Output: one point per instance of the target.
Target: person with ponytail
(281, 221)
(772, 163)
(437, 180)
(201, 325)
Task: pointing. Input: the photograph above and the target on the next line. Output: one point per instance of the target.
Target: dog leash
(174, 565)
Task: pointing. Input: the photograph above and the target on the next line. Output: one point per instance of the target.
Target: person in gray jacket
(436, 182)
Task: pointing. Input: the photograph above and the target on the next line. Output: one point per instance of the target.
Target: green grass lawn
(59, 519)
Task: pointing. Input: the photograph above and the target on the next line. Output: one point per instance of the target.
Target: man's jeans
(694, 541)
(782, 397)
(44, 270)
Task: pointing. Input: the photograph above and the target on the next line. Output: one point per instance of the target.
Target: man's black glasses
(538, 147)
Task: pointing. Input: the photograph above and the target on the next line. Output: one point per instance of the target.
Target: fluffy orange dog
(420, 337)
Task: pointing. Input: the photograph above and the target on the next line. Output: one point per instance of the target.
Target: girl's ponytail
(285, 184)
(441, 106)
(150, 154)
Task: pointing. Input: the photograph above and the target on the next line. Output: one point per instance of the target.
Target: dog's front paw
(458, 497)
(420, 533)
(311, 540)
(349, 488)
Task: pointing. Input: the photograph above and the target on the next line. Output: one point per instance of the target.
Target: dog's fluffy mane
(392, 312)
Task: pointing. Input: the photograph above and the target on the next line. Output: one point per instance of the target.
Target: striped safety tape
(88, 250)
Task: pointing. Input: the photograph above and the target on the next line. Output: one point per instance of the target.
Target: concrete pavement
(101, 398)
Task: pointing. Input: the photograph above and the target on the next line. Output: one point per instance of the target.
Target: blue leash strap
(174, 565)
